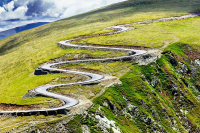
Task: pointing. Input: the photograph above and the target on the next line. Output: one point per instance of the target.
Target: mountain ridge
(9, 32)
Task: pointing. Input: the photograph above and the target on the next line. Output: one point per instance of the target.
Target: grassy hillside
(150, 99)
(156, 35)
(22, 53)
(25, 51)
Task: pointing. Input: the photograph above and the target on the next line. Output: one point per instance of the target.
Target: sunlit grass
(17, 73)
(153, 34)
(22, 53)
(10, 123)
(107, 68)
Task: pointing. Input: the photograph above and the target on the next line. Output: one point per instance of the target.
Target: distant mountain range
(13, 31)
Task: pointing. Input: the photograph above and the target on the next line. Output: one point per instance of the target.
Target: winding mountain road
(70, 102)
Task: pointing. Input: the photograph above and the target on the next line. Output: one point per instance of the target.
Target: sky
(15, 13)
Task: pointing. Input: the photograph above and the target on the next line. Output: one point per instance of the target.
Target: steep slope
(27, 46)
(22, 53)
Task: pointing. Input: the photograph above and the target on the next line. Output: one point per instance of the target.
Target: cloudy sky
(14, 13)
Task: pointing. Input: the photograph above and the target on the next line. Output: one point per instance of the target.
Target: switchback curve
(70, 102)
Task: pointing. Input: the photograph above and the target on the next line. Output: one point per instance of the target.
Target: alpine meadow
(138, 64)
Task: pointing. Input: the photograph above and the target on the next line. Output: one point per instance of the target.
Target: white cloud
(45, 10)
(2, 10)
(67, 8)
(54, 8)
(19, 13)
(7, 12)
(9, 6)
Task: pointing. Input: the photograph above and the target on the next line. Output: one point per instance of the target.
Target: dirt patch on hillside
(13, 107)
(70, 79)
(88, 70)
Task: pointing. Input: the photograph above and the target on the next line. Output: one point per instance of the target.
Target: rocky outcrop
(155, 115)
(154, 82)
(30, 94)
(198, 97)
(198, 87)
(197, 62)
(106, 125)
(173, 62)
(112, 106)
(193, 70)
(145, 59)
(85, 129)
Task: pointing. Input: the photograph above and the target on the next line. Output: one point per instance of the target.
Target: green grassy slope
(25, 51)
(158, 92)
(156, 34)
(22, 53)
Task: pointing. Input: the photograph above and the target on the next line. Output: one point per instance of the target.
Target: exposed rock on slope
(159, 97)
